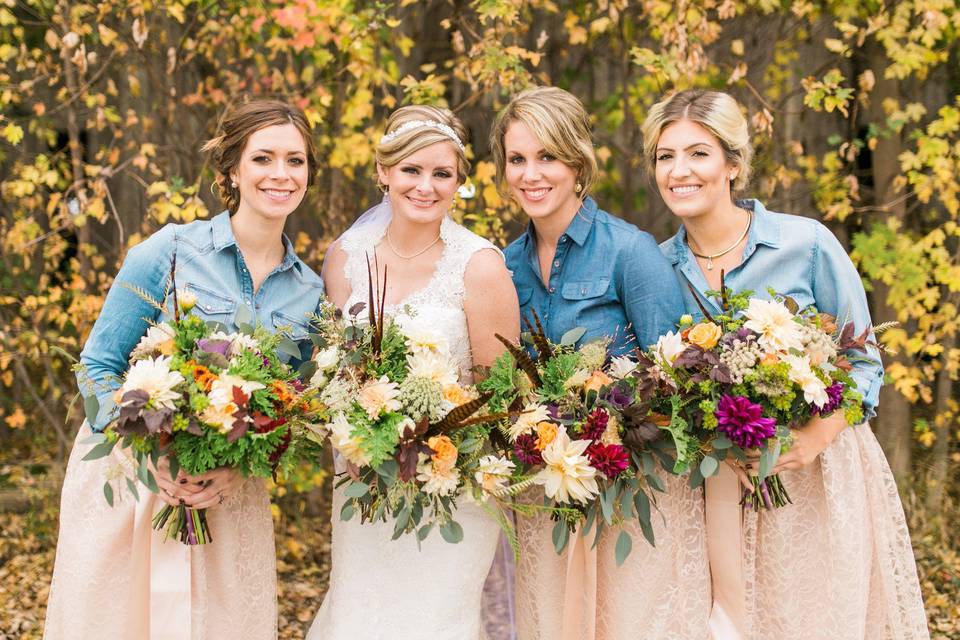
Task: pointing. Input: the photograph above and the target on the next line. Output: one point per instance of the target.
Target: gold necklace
(709, 258)
(411, 256)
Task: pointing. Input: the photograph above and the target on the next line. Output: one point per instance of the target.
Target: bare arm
(334, 280)
(490, 302)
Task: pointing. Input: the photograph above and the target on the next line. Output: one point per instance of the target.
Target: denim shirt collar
(764, 229)
(578, 230)
(223, 237)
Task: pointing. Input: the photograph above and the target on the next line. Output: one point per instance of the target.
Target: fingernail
(183, 481)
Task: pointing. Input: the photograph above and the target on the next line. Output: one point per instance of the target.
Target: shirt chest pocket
(213, 305)
(594, 308)
(293, 327)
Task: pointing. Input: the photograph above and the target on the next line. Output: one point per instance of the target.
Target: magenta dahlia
(835, 393)
(742, 421)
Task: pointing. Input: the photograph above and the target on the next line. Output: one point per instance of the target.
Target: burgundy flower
(595, 425)
(525, 447)
(742, 421)
(835, 392)
(618, 397)
(609, 459)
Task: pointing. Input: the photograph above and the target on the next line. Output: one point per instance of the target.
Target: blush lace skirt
(837, 564)
(114, 576)
(659, 592)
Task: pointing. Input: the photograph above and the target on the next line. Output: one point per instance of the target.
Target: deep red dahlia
(595, 425)
(609, 459)
(525, 447)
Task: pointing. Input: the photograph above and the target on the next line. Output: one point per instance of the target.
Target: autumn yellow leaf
(17, 419)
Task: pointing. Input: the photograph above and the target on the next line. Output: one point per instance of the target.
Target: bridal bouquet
(205, 399)
(584, 430)
(404, 422)
(740, 380)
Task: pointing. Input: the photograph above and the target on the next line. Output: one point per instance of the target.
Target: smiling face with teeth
(692, 171)
(543, 185)
(422, 185)
(272, 174)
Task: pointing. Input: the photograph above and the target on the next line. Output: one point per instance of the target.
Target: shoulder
(157, 246)
(798, 233)
(515, 249)
(486, 263)
(308, 276)
(624, 235)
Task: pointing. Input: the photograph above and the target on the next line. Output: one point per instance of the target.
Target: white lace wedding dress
(391, 589)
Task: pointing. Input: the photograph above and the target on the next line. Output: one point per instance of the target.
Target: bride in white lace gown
(457, 284)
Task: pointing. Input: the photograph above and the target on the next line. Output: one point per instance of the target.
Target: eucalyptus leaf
(560, 536)
(174, 467)
(347, 511)
(151, 483)
(452, 532)
(91, 408)
(108, 493)
(709, 466)
(570, 338)
(307, 369)
(288, 347)
(102, 450)
(607, 499)
(721, 442)
(696, 478)
(655, 482)
(356, 490)
(132, 486)
(642, 503)
(388, 470)
(623, 548)
(424, 531)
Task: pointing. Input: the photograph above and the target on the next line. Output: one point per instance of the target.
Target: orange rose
(769, 358)
(444, 452)
(284, 395)
(166, 348)
(546, 433)
(597, 380)
(828, 323)
(705, 335)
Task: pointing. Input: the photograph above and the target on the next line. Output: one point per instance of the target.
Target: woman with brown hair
(114, 576)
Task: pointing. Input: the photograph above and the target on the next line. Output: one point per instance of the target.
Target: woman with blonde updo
(114, 576)
(837, 563)
(578, 266)
(447, 279)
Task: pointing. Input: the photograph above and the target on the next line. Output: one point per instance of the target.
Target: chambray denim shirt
(209, 265)
(607, 277)
(798, 257)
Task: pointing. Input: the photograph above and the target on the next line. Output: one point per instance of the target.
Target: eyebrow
(291, 153)
(417, 166)
(689, 146)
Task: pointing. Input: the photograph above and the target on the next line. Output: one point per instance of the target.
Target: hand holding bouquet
(205, 399)
(742, 379)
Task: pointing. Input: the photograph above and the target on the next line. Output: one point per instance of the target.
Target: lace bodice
(439, 304)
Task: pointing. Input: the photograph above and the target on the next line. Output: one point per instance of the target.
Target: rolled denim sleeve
(838, 290)
(124, 319)
(650, 291)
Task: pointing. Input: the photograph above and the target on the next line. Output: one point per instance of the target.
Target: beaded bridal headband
(446, 130)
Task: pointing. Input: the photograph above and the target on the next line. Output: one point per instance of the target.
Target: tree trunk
(892, 424)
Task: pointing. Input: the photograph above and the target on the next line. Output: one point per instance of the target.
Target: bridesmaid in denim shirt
(113, 576)
(578, 266)
(837, 563)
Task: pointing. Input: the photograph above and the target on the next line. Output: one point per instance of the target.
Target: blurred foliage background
(854, 108)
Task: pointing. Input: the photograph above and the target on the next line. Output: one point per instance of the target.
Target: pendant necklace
(710, 257)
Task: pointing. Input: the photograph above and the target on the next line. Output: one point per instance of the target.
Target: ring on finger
(220, 493)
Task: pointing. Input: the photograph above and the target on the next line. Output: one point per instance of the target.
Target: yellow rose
(686, 319)
(444, 452)
(546, 433)
(705, 335)
(597, 380)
